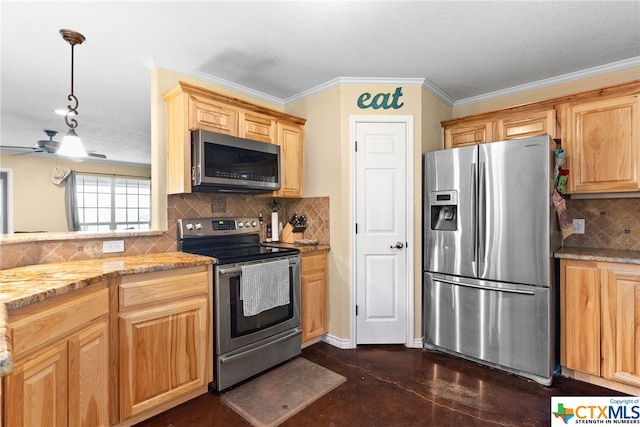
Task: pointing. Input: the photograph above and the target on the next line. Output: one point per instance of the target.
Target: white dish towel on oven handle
(264, 285)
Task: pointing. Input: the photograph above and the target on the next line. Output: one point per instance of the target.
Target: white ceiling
(281, 50)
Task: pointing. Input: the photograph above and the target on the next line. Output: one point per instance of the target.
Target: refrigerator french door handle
(486, 288)
(482, 214)
(473, 213)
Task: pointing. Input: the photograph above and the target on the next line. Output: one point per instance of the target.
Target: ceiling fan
(50, 146)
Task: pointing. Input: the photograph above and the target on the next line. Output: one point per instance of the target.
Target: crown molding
(369, 81)
(589, 72)
(150, 63)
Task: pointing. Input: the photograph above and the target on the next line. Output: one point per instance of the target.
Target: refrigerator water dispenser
(444, 210)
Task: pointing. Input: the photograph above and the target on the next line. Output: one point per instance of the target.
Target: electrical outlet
(112, 246)
(578, 224)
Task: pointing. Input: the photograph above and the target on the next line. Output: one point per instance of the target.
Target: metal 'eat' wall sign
(381, 100)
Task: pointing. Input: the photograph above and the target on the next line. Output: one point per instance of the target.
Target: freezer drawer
(503, 325)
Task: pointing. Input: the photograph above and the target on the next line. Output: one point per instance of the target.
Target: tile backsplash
(609, 223)
(193, 205)
(316, 209)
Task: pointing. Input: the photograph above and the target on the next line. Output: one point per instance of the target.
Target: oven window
(243, 325)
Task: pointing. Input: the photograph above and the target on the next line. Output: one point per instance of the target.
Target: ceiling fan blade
(17, 147)
(98, 155)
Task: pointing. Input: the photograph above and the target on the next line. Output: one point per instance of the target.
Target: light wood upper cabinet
(61, 366)
(212, 116)
(602, 145)
(257, 127)
(580, 314)
(291, 142)
(621, 323)
(526, 125)
(164, 339)
(463, 134)
(314, 289)
(191, 108)
(500, 126)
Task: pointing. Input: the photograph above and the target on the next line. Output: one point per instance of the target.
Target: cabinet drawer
(150, 288)
(34, 326)
(313, 262)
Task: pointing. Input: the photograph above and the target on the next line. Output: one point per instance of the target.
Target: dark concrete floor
(395, 386)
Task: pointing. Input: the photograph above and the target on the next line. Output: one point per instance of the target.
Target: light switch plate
(112, 246)
(578, 224)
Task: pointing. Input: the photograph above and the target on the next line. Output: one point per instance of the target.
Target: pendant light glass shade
(71, 145)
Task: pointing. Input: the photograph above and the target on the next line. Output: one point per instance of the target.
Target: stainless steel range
(256, 301)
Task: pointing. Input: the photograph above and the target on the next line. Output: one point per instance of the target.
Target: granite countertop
(602, 255)
(303, 248)
(26, 285)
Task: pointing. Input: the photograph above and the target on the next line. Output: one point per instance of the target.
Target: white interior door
(381, 237)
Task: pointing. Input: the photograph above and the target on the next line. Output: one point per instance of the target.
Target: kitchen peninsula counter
(601, 255)
(27, 285)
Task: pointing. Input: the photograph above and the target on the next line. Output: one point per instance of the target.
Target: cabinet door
(37, 390)
(314, 296)
(290, 139)
(468, 134)
(602, 150)
(257, 127)
(580, 316)
(88, 377)
(162, 354)
(211, 116)
(526, 125)
(621, 323)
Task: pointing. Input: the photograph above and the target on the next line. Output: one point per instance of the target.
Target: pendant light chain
(73, 110)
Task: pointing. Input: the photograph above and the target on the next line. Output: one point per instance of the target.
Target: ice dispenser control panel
(444, 210)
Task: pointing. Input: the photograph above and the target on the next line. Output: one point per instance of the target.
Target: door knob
(398, 245)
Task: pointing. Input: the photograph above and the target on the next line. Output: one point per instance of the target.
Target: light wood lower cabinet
(164, 340)
(621, 323)
(600, 321)
(60, 375)
(314, 295)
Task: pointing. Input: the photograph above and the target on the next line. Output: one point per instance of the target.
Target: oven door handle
(234, 357)
(230, 271)
(238, 270)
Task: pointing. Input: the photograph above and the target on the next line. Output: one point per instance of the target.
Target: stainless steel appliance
(223, 163)
(490, 232)
(246, 342)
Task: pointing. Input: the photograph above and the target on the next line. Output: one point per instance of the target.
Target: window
(113, 203)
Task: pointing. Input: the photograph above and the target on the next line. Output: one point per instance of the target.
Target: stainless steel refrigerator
(490, 232)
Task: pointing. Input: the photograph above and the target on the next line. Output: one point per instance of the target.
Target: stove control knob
(240, 224)
(253, 223)
(189, 226)
(198, 226)
(247, 224)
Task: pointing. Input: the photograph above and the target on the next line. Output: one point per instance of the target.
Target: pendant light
(71, 144)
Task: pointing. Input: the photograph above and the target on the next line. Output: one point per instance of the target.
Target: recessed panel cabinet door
(36, 392)
(603, 145)
(621, 324)
(162, 354)
(291, 142)
(580, 316)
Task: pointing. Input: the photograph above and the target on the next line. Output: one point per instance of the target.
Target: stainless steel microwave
(223, 163)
